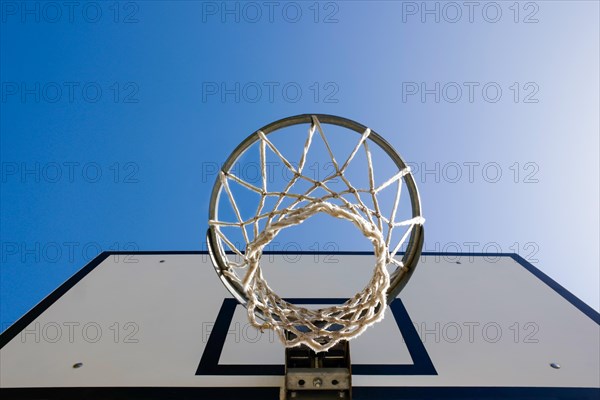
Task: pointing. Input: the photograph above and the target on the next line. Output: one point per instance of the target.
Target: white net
(322, 328)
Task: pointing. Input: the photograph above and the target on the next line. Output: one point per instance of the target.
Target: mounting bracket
(324, 375)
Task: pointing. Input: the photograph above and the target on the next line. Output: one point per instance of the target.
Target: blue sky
(114, 116)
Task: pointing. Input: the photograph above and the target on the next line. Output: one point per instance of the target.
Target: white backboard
(161, 325)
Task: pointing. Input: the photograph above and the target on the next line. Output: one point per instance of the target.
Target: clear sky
(115, 116)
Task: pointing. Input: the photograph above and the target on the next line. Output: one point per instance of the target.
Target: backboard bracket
(326, 375)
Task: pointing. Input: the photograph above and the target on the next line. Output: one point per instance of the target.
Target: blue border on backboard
(570, 297)
(209, 362)
(272, 393)
(433, 393)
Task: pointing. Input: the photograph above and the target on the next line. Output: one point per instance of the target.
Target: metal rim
(398, 279)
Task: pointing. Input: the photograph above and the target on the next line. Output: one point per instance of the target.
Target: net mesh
(322, 328)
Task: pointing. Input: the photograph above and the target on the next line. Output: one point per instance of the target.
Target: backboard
(161, 325)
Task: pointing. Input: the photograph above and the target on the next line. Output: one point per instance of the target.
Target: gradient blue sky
(157, 128)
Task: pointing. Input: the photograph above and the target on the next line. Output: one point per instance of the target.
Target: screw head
(555, 365)
(317, 382)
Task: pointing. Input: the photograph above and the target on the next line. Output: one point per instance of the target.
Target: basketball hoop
(323, 328)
